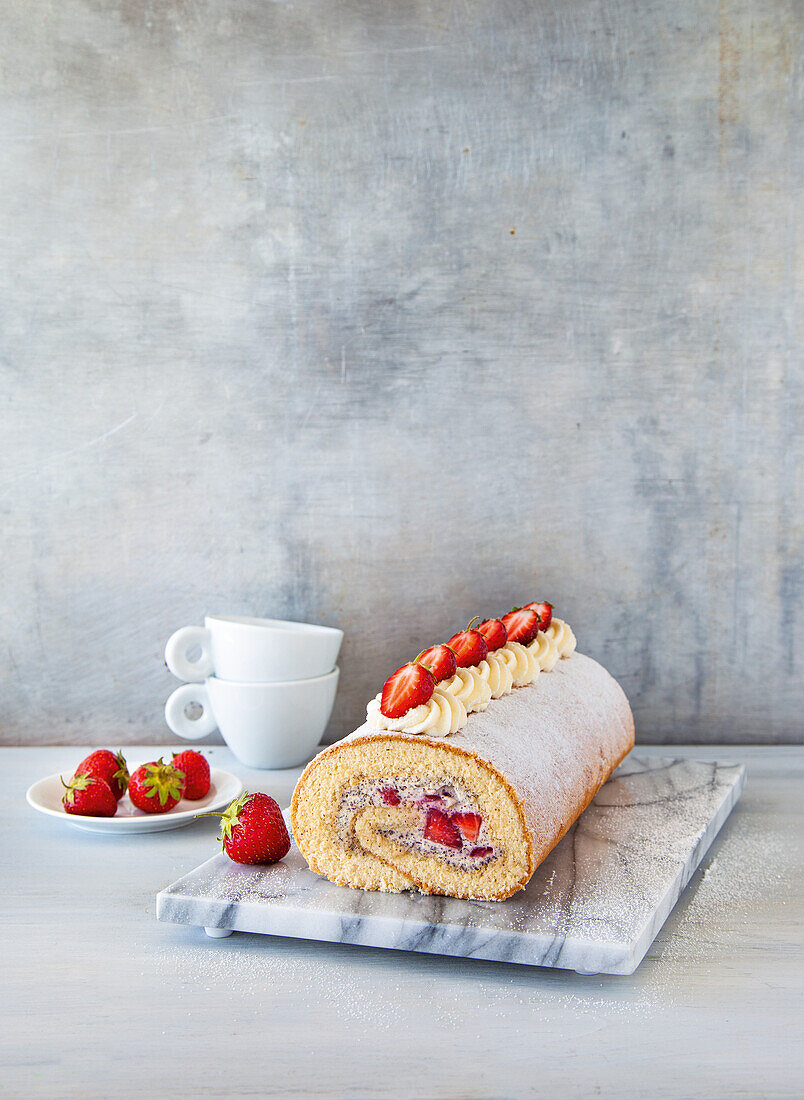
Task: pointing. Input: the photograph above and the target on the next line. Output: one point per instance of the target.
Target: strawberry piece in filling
(441, 830)
(446, 818)
(469, 825)
(430, 800)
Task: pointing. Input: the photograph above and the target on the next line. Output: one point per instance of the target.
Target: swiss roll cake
(473, 762)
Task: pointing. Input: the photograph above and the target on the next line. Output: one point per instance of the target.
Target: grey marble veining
(594, 905)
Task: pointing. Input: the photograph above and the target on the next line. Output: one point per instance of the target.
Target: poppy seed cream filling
(415, 816)
(473, 813)
(349, 827)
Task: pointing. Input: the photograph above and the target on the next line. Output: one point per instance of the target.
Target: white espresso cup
(265, 725)
(253, 650)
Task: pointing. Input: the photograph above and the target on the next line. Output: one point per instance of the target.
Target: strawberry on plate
(253, 829)
(440, 660)
(441, 830)
(469, 646)
(493, 630)
(544, 611)
(196, 773)
(408, 687)
(108, 766)
(90, 796)
(156, 787)
(522, 624)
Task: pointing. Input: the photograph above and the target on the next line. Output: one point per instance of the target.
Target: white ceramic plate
(46, 795)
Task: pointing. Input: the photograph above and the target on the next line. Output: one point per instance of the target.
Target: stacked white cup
(266, 684)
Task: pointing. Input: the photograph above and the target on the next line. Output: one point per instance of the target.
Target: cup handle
(176, 654)
(191, 729)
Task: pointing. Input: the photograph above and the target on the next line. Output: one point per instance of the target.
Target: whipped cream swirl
(544, 650)
(561, 634)
(442, 714)
(522, 663)
(469, 687)
(497, 674)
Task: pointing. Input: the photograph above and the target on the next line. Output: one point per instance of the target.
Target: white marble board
(594, 905)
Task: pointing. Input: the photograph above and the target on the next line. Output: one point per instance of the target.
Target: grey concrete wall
(385, 315)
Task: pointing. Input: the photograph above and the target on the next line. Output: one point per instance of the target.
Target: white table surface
(99, 999)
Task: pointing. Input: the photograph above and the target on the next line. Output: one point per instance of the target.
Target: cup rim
(274, 683)
(288, 625)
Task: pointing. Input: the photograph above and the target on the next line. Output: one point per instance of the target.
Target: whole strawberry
(196, 773)
(90, 796)
(109, 766)
(156, 787)
(253, 829)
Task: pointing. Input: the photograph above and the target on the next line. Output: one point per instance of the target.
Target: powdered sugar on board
(594, 905)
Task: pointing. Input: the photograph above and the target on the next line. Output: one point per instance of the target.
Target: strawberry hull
(156, 788)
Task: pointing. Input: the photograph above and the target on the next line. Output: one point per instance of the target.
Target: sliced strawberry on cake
(522, 624)
(544, 611)
(469, 646)
(440, 660)
(465, 683)
(473, 651)
(495, 633)
(410, 686)
(410, 703)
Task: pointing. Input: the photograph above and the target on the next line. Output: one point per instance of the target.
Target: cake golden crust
(441, 746)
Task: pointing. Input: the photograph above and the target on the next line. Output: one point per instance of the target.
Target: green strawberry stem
(122, 774)
(163, 781)
(230, 816)
(77, 783)
(70, 795)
